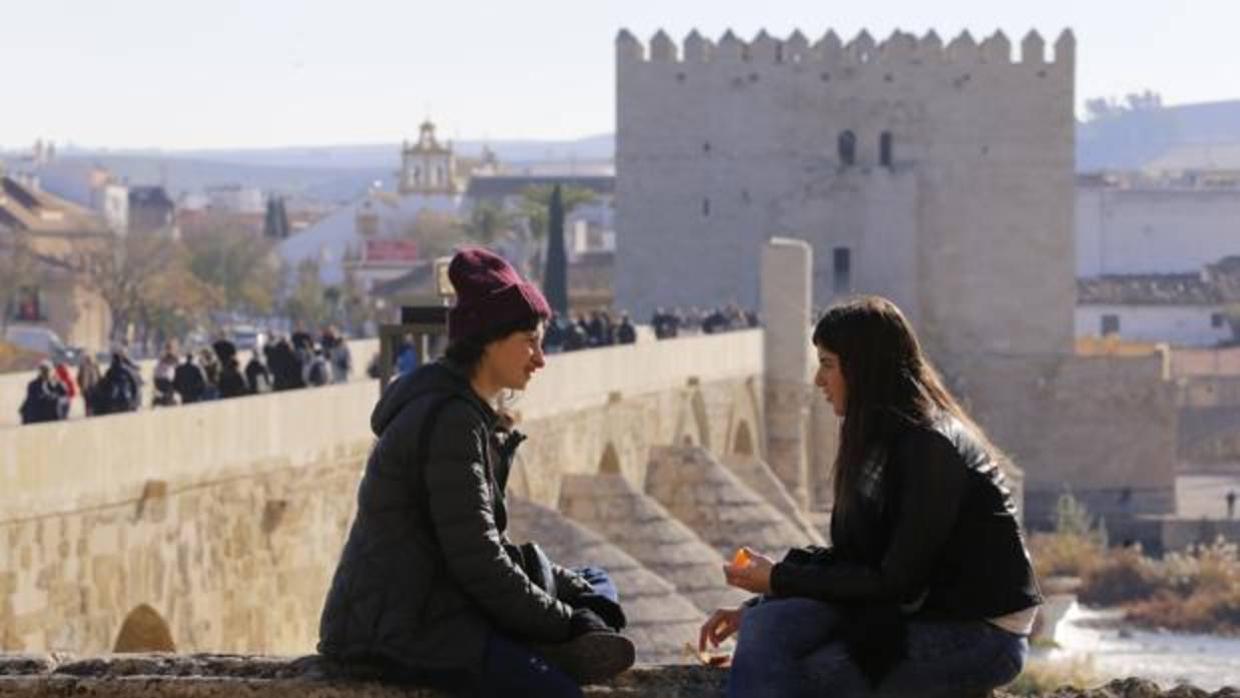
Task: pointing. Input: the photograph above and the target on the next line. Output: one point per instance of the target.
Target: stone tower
(937, 175)
(427, 167)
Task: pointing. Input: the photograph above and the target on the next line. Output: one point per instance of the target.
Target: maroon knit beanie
(489, 292)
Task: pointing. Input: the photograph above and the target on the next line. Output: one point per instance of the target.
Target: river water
(1118, 650)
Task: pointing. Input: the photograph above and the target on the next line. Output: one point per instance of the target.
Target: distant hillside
(1180, 137)
(515, 152)
(327, 173)
(1192, 136)
(68, 173)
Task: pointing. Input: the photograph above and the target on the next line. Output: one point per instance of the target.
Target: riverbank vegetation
(1194, 590)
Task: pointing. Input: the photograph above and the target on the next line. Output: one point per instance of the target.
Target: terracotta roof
(28, 209)
(1148, 289)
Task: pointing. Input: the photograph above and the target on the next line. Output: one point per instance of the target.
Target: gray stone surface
(661, 621)
(717, 505)
(643, 528)
(208, 676)
(759, 477)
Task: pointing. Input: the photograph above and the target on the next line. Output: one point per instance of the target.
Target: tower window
(848, 148)
(841, 267)
(706, 207)
(884, 149)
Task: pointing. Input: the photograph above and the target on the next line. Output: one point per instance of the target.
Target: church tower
(427, 167)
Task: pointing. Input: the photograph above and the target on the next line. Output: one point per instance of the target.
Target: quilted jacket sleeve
(462, 514)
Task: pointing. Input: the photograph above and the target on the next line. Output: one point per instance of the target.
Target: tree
(486, 222)
(239, 265)
(437, 234)
(555, 279)
(137, 274)
(1100, 108)
(535, 202)
(308, 303)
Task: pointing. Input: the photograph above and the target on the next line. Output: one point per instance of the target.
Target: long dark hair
(889, 383)
(467, 352)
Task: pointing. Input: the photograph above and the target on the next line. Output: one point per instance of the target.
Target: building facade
(427, 166)
(939, 176)
(1135, 228)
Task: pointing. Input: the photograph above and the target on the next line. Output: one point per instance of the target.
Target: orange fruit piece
(741, 558)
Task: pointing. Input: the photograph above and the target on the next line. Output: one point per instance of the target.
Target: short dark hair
(466, 352)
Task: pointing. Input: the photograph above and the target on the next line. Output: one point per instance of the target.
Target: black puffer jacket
(394, 594)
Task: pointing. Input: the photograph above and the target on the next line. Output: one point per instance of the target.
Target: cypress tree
(555, 278)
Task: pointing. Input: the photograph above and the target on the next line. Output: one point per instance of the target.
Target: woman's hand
(721, 625)
(754, 577)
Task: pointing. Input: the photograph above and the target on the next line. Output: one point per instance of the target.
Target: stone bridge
(216, 526)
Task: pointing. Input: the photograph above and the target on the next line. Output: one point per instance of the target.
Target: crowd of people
(212, 373)
(300, 360)
(599, 329)
(675, 322)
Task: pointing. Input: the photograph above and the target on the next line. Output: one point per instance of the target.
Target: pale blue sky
(211, 73)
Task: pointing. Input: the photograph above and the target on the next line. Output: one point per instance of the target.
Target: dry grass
(1064, 554)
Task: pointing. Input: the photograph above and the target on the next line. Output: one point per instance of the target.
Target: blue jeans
(510, 668)
(791, 647)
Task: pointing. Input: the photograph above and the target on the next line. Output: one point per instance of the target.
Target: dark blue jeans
(512, 669)
(791, 647)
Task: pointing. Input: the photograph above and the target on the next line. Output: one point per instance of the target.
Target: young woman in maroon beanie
(927, 589)
(429, 588)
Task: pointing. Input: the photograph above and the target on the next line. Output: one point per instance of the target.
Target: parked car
(247, 337)
(43, 340)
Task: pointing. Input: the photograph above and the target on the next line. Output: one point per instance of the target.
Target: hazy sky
(211, 73)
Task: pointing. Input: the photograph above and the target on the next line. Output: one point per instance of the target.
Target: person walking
(45, 397)
(87, 380)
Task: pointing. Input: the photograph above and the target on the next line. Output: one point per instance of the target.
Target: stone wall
(1104, 428)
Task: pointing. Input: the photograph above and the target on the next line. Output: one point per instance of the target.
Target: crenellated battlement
(901, 48)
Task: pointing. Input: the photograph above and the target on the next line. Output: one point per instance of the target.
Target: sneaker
(592, 657)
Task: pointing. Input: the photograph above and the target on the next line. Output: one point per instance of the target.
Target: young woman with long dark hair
(927, 588)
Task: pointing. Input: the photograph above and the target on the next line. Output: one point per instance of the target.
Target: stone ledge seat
(313, 676)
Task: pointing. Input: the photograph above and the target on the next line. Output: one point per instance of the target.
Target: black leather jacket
(935, 532)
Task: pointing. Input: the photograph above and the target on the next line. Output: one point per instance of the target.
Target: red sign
(391, 251)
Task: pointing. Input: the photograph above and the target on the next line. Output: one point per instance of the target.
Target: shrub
(1122, 576)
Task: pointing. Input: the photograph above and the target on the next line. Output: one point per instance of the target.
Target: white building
(234, 198)
(1179, 309)
(369, 225)
(427, 166)
(1144, 227)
